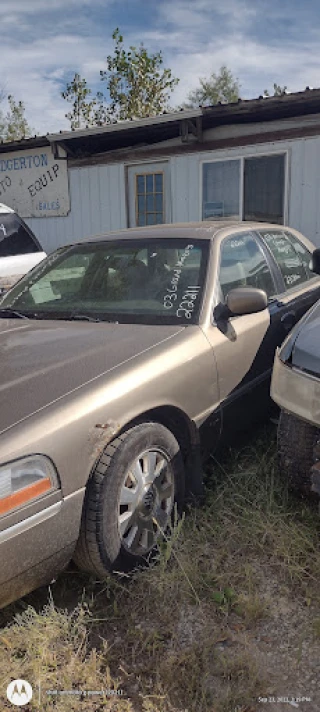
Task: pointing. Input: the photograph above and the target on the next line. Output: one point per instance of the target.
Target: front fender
(74, 430)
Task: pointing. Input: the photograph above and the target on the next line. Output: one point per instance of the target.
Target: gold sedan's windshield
(142, 281)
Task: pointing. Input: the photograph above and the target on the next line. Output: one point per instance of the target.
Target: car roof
(202, 230)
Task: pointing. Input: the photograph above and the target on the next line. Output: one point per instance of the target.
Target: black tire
(296, 442)
(100, 548)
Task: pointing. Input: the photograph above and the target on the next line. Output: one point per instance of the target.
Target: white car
(19, 248)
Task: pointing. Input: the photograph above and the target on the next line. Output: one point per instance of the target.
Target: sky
(44, 42)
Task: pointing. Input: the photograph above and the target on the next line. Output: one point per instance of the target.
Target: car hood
(14, 267)
(306, 348)
(43, 361)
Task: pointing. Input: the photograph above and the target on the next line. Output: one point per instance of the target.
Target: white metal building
(256, 159)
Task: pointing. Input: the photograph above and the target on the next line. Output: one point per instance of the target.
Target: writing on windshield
(160, 278)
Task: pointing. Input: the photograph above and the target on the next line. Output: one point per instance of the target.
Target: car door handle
(288, 320)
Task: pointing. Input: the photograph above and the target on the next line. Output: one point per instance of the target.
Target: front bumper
(36, 549)
(296, 391)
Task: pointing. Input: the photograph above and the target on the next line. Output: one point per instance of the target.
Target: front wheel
(130, 499)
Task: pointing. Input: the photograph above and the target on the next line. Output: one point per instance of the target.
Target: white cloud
(229, 39)
(196, 39)
(37, 70)
(32, 7)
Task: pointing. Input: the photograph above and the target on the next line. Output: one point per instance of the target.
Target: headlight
(25, 480)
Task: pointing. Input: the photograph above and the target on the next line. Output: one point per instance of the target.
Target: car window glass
(98, 274)
(62, 281)
(243, 264)
(286, 256)
(14, 238)
(303, 253)
(141, 278)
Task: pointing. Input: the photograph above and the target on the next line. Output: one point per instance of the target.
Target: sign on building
(34, 183)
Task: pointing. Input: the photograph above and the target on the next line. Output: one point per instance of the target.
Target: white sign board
(34, 183)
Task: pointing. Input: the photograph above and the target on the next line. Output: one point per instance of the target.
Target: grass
(175, 637)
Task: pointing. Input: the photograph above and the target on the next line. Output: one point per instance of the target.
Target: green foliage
(137, 86)
(14, 125)
(137, 83)
(277, 90)
(221, 87)
(225, 598)
(87, 109)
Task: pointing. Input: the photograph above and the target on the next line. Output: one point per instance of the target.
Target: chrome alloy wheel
(146, 501)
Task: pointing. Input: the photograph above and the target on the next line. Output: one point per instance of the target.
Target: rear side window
(15, 239)
(243, 264)
(291, 256)
(303, 253)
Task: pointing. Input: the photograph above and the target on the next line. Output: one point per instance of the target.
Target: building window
(221, 185)
(149, 199)
(245, 189)
(264, 189)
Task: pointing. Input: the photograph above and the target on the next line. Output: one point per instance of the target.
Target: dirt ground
(227, 621)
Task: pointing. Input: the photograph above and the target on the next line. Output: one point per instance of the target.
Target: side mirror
(246, 300)
(315, 261)
(243, 300)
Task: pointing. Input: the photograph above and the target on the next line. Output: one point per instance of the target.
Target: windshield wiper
(12, 313)
(82, 317)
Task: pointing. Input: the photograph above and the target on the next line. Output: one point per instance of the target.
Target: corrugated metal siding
(303, 181)
(185, 188)
(98, 193)
(97, 205)
(305, 189)
(295, 192)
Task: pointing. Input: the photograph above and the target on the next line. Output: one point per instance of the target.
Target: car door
(244, 347)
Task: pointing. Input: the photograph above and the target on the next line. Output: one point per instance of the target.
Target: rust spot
(109, 425)
(100, 435)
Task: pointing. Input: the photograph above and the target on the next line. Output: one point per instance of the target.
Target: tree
(137, 86)
(137, 83)
(16, 124)
(277, 90)
(13, 125)
(221, 87)
(83, 111)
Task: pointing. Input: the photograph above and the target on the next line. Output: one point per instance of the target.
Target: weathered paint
(98, 193)
(98, 205)
(34, 183)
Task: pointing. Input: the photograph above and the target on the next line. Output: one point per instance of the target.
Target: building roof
(155, 129)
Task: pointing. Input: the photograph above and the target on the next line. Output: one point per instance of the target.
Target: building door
(149, 200)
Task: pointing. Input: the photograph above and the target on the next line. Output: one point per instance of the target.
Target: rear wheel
(296, 444)
(130, 499)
